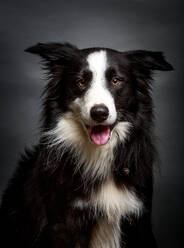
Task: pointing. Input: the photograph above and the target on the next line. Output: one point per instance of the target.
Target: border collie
(89, 181)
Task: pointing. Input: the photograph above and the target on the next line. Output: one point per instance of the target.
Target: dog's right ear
(54, 52)
(148, 60)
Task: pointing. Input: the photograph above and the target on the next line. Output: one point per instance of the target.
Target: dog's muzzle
(99, 133)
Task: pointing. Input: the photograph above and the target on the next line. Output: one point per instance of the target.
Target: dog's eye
(115, 81)
(81, 83)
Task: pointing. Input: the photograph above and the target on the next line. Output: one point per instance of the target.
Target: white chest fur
(113, 202)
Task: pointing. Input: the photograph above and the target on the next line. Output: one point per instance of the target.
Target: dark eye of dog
(81, 83)
(115, 81)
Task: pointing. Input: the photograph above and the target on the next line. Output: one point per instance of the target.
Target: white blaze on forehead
(98, 92)
(97, 64)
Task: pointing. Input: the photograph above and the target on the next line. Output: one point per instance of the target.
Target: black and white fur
(68, 191)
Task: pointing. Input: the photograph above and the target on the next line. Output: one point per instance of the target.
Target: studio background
(119, 24)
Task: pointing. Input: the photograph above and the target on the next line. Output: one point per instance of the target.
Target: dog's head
(97, 94)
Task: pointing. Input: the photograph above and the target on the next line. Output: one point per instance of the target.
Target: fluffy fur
(89, 180)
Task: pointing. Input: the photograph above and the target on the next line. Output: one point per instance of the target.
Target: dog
(89, 180)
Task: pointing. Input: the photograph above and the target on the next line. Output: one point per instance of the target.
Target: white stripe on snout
(98, 92)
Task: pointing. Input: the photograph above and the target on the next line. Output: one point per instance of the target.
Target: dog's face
(97, 93)
(103, 84)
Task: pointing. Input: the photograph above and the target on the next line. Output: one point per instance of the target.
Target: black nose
(99, 113)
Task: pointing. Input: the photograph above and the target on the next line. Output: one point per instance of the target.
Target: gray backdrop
(119, 24)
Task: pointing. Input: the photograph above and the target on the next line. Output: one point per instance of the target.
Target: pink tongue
(100, 134)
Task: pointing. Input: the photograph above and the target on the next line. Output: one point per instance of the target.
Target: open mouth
(99, 134)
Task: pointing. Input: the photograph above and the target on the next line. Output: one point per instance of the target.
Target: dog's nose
(99, 112)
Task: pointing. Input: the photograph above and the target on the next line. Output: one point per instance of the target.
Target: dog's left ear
(53, 52)
(149, 60)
